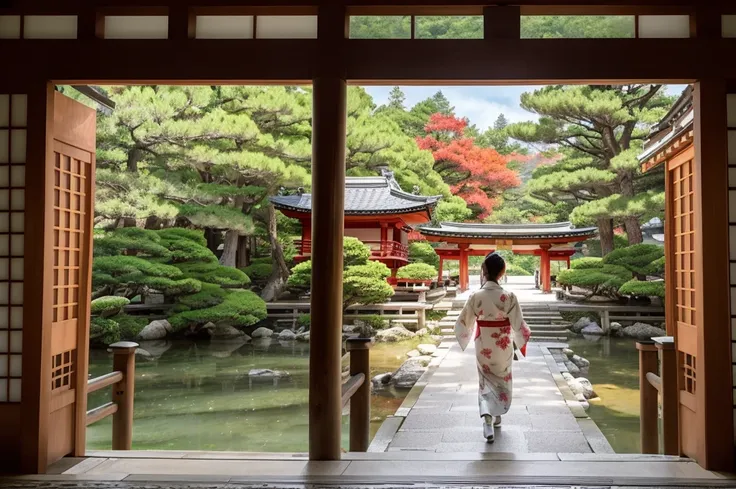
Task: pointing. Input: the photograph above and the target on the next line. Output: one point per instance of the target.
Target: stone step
(546, 327)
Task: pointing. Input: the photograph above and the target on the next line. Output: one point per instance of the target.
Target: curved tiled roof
(365, 196)
(506, 231)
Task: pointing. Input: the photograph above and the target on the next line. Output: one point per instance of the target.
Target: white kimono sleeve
(465, 324)
(519, 328)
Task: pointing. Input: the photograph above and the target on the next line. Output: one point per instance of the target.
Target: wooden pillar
(464, 276)
(713, 392)
(328, 196)
(544, 271)
(670, 395)
(439, 276)
(384, 239)
(306, 237)
(123, 394)
(360, 403)
(648, 398)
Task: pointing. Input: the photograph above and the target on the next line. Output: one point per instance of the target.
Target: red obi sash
(495, 324)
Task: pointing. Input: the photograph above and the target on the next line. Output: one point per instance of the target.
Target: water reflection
(209, 395)
(614, 373)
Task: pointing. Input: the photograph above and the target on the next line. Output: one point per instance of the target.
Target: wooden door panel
(72, 173)
(682, 295)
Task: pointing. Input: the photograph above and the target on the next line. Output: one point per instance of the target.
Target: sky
(482, 105)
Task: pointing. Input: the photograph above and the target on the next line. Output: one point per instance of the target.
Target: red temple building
(377, 212)
(551, 242)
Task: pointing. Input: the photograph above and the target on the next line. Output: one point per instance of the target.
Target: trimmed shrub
(589, 262)
(417, 271)
(104, 331)
(238, 308)
(354, 252)
(210, 295)
(301, 276)
(639, 259)
(375, 321)
(594, 245)
(258, 272)
(130, 326)
(643, 288)
(422, 252)
(516, 271)
(366, 284)
(108, 305)
(260, 260)
(605, 280)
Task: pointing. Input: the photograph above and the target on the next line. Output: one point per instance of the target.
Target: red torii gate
(551, 242)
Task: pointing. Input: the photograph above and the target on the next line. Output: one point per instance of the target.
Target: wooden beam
(293, 61)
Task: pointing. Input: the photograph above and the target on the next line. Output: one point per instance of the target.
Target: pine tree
(396, 99)
(603, 128)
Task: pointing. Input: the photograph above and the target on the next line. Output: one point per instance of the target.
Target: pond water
(614, 373)
(198, 396)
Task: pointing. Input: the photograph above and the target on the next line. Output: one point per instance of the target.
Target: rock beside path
(426, 349)
(392, 335)
(264, 373)
(413, 354)
(224, 332)
(303, 337)
(262, 333)
(572, 368)
(580, 361)
(410, 372)
(643, 331)
(382, 379)
(592, 329)
(155, 330)
(580, 324)
(287, 335)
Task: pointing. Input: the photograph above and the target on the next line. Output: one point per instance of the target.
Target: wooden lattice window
(13, 122)
(69, 196)
(683, 196)
(62, 370)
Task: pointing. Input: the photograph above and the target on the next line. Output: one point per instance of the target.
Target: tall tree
(478, 175)
(396, 99)
(603, 128)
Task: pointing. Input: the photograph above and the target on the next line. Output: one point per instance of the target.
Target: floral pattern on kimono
(494, 346)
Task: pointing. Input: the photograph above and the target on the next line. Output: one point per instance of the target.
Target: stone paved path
(544, 418)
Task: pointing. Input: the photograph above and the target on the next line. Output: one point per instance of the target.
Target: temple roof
(507, 231)
(366, 196)
(677, 121)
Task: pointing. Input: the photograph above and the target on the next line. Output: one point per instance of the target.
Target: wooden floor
(498, 469)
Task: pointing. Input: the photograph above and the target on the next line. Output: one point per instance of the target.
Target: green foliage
(104, 331)
(417, 271)
(640, 259)
(593, 246)
(238, 308)
(366, 284)
(454, 209)
(577, 26)
(588, 262)
(603, 280)
(354, 252)
(210, 295)
(643, 288)
(108, 306)
(258, 272)
(304, 321)
(422, 252)
(130, 326)
(301, 276)
(513, 270)
(214, 273)
(375, 321)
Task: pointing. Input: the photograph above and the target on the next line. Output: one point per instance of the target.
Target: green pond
(198, 396)
(614, 373)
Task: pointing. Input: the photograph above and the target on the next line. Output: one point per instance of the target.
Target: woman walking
(495, 316)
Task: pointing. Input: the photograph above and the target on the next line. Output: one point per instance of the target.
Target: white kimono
(500, 328)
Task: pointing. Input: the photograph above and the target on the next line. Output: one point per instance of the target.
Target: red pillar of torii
(551, 242)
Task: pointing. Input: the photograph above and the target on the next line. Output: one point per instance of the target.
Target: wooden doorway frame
(333, 61)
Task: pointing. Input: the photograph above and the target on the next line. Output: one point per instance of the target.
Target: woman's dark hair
(493, 265)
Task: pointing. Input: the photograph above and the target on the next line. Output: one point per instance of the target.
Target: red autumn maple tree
(478, 175)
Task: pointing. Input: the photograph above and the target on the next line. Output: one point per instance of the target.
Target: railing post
(670, 401)
(360, 403)
(648, 397)
(123, 393)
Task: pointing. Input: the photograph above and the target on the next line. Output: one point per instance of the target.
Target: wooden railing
(379, 249)
(357, 390)
(122, 380)
(658, 378)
